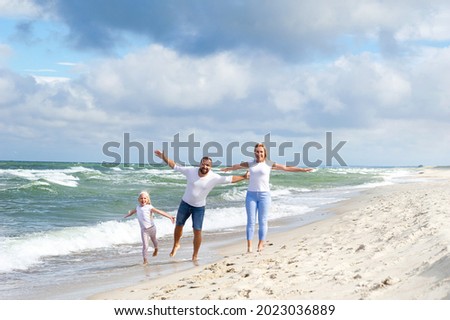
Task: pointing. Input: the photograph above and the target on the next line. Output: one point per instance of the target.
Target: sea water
(62, 232)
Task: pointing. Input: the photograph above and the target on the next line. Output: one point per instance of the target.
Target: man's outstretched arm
(240, 178)
(166, 159)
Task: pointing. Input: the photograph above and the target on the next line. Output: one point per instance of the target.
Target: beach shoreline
(388, 242)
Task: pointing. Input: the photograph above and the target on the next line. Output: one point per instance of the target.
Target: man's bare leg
(176, 240)
(197, 243)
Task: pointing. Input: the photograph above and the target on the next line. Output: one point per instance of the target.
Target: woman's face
(260, 154)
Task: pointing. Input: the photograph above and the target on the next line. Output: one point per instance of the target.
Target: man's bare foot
(174, 250)
(145, 262)
(155, 252)
(194, 258)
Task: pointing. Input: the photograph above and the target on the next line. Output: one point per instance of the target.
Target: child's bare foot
(155, 252)
(174, 250)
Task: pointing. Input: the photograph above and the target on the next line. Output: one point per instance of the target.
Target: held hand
(172, 219)
(246, 175)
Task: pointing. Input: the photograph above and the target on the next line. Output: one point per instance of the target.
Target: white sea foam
(20, 253)
(23, 252)
(60, 177)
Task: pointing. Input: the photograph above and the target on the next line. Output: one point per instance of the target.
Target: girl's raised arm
(130, 213)
(163, 213)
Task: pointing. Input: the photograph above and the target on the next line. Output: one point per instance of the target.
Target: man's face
(205, 166)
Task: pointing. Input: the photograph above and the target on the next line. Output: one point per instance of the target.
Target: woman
(258, 199)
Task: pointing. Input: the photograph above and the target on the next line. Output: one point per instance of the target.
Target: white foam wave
(388, 176)
(234, 194)
(158, 172)
(63, 177)
(233, 217)
(21, 253)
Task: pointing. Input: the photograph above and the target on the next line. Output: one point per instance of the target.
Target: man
(200, 181)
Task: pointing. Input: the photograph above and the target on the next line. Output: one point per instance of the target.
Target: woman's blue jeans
(257, 205)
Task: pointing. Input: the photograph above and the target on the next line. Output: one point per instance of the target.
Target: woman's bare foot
(249, 246)
(260, 246)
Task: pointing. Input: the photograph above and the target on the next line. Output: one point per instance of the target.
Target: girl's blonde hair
(145, 193)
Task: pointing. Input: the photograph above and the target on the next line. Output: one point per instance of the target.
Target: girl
(144, 213)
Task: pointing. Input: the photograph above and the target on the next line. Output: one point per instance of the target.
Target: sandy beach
(390, 242)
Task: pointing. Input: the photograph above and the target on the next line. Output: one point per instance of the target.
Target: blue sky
(75, 75)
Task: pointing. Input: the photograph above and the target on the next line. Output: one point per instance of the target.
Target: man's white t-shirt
(259, 176)
(145, 216)
(198, 188)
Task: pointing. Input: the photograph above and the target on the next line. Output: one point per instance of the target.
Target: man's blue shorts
(185, 210)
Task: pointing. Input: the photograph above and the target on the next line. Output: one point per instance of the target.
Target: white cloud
(48, 79)
(9, 91)
(397, 142)
(386, 106)
(287, 100)
(434, 26)
(431, 82)
(19, 8)
(5, 53)
(159, 76)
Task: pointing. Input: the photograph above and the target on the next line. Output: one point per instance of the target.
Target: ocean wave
(41, 185)
(59, 177)
(21, 253)
(27, 251)
(24, 252)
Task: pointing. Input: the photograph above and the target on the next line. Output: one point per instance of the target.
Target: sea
(63, 234)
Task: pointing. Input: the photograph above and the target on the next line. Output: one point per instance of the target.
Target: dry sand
(391, 242)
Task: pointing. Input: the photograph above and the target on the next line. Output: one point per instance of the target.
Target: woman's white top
(259, 176)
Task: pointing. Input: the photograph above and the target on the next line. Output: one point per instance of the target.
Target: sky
(327, 82)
